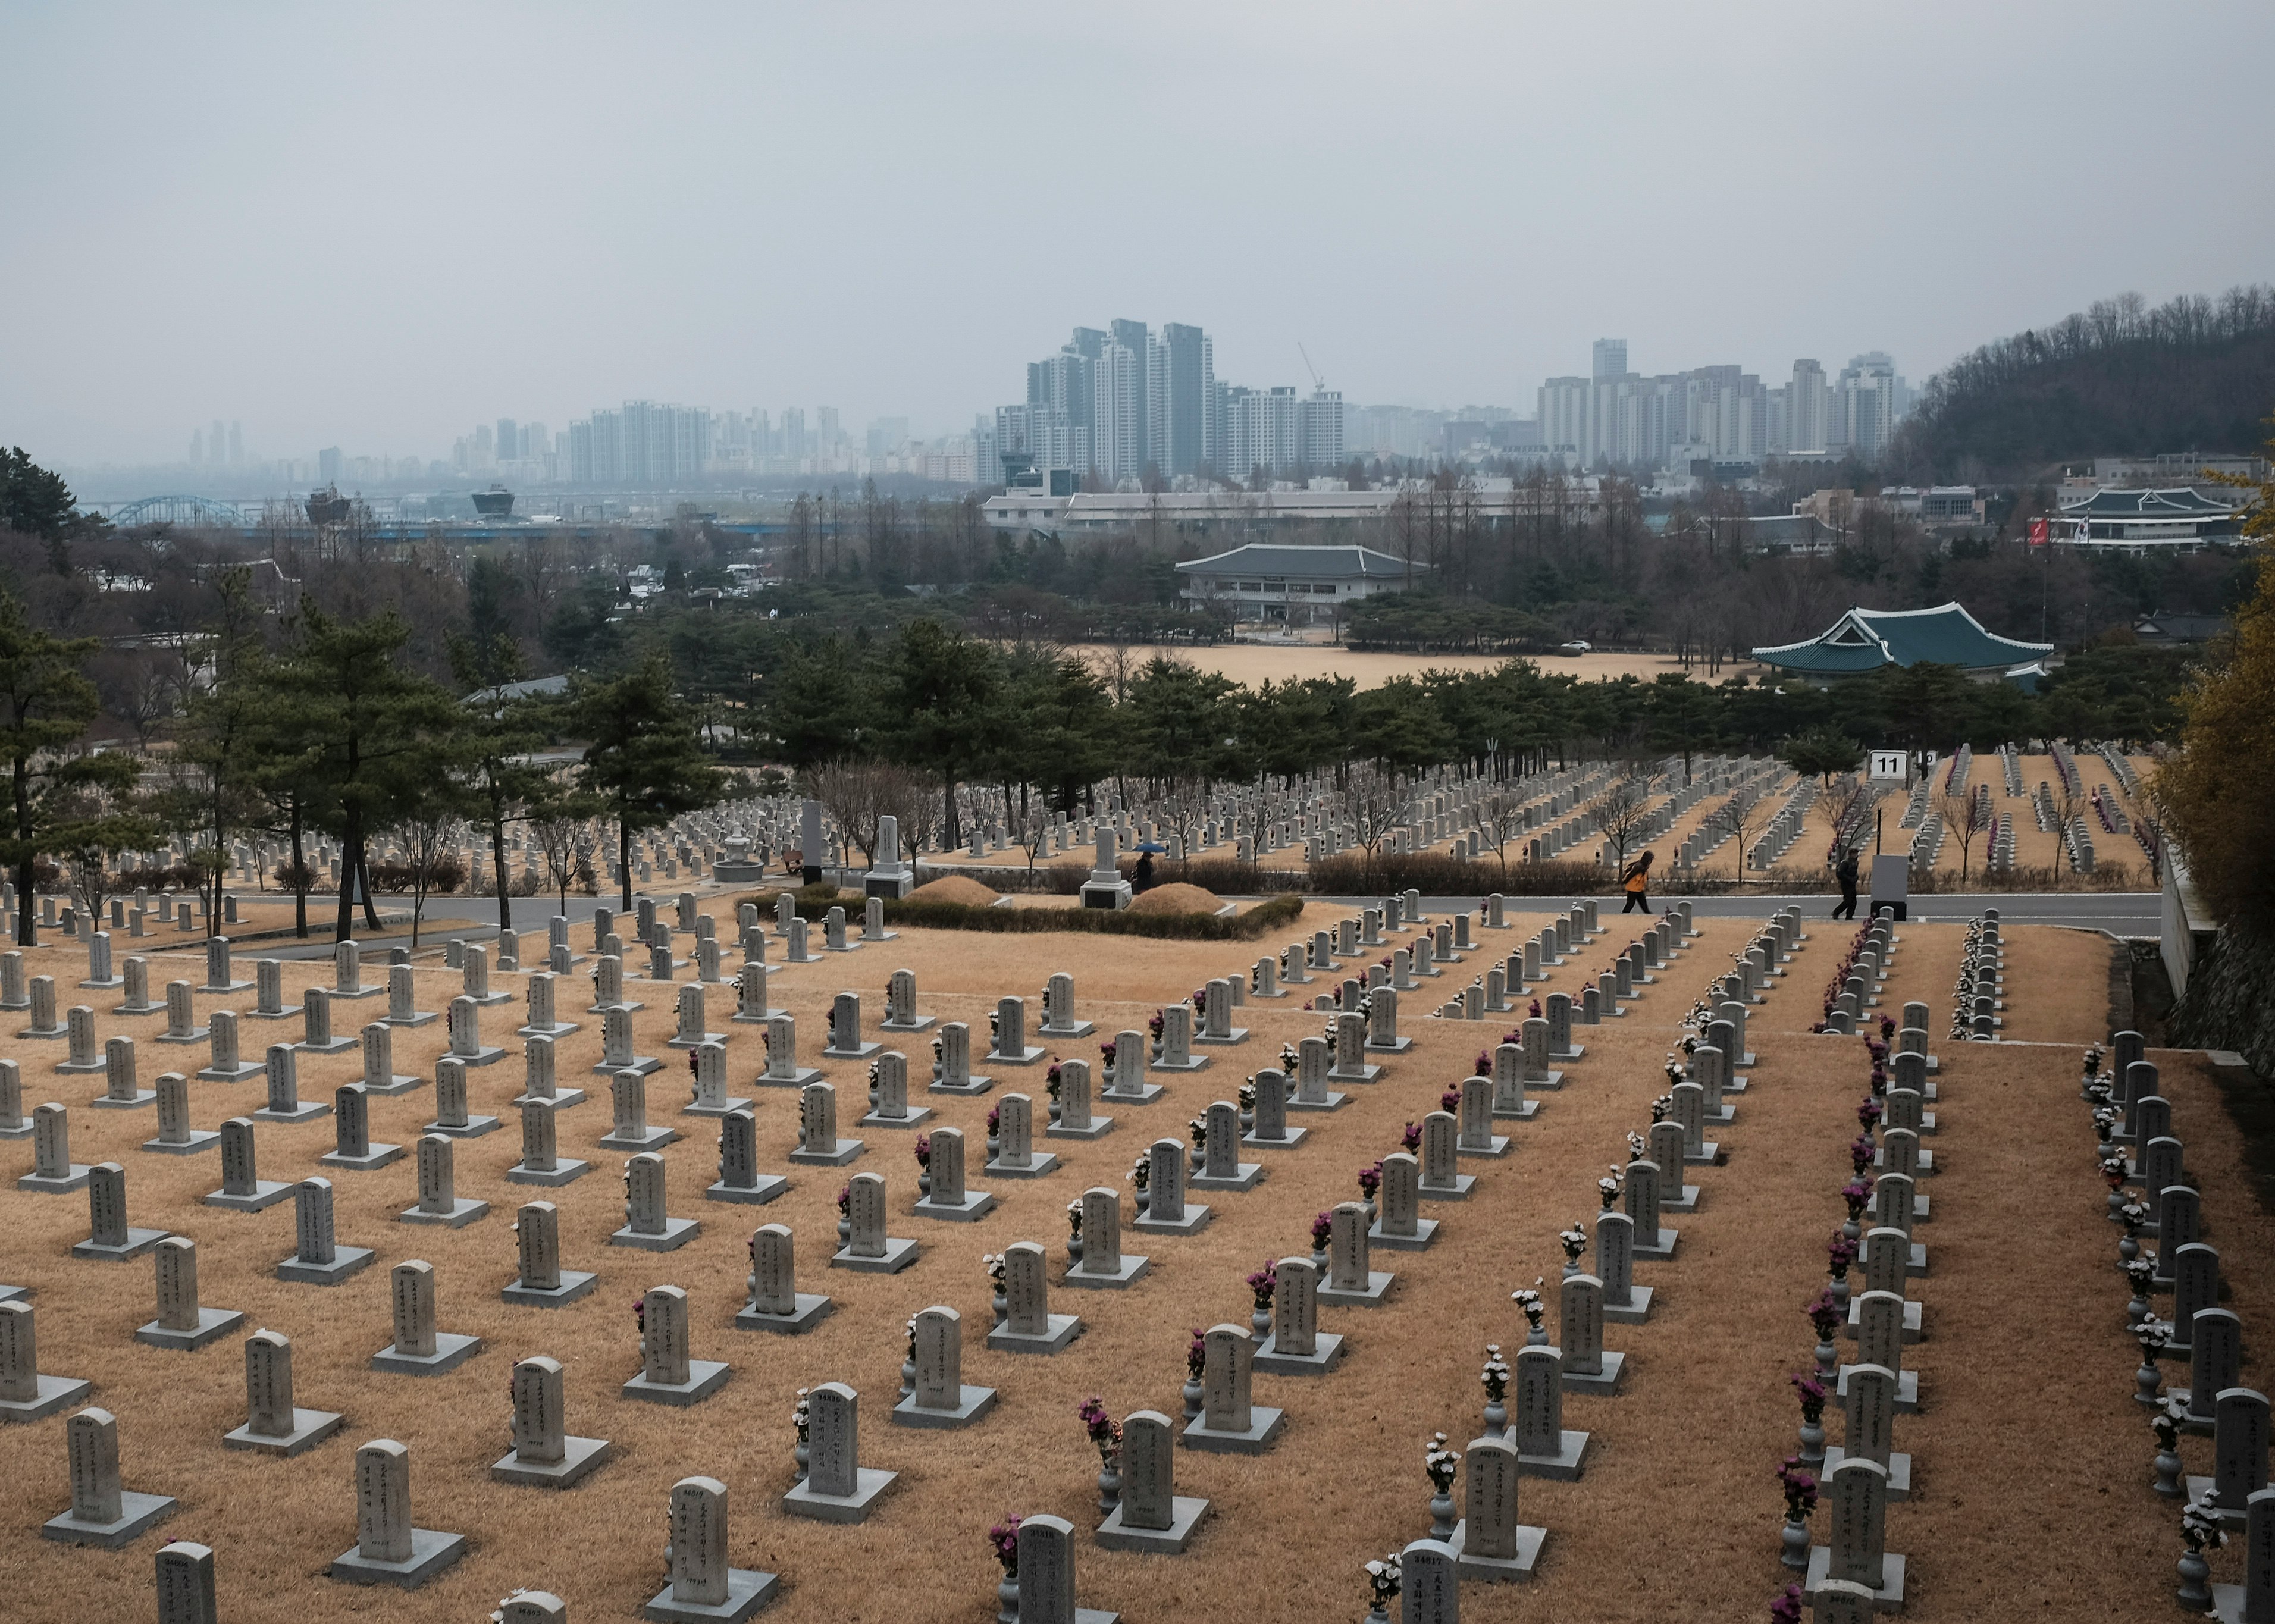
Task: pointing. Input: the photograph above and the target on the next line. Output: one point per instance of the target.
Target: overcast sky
(374, 226)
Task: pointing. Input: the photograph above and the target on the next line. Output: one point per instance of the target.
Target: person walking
(1844, 872)
(1144, 873)
(1636, 878)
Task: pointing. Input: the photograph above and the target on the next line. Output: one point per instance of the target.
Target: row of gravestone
(2131, 1110)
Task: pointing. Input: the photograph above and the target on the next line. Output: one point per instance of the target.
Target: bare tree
(1743, 815)
(1966, 815)
(430, 838)
(1376, 803)
(567, 845)
(1500, 819)
(1620, 813)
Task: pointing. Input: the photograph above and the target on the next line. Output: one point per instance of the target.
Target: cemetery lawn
(2032, 1462)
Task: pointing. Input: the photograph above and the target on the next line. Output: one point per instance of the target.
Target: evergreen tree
(59, 804)
(646, 764)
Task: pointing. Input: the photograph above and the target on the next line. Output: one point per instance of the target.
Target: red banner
(2038, 532)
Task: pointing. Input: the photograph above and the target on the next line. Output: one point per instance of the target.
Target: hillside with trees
(2117, 380)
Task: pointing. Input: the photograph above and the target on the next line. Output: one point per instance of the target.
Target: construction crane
(1318, 382)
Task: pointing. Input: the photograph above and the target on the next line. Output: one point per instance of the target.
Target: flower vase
(1192, 1397)
(2136, 1310)
(1074, 1250)
(1145, 1202)
(1259, 1321)
(994, 1146)
(1441, 1515)
(2194, 1571)
(1812, 1445)
(1109, 1489)
(2116, 1200)
(924, 1182)
(844, 1233)
(1376, 1616)
(2168, 1474)
(1827, 1361)
(908, 1377)
(1795, 1541)
(2146, 1381)
(2127, 1249)
(1319, 1261)
(1496, 1416)
(1248, 1122)
(1538, 1337)
(1839, 1286)
(1852, 1230)
(1002, 1305)
(804, 1454)
(1198, 1157)
(1369, 1211)
(1007, 1601)
(1055, 1111)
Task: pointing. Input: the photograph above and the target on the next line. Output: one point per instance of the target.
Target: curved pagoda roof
(1866, 640)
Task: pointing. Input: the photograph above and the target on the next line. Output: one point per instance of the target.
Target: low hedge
(814, 902)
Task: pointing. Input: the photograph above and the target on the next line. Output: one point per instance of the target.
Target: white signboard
(1890, 766)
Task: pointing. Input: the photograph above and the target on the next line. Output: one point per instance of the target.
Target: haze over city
(376, 229)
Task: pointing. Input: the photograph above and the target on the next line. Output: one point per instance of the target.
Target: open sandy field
(2028, 1429)
(1251, 663)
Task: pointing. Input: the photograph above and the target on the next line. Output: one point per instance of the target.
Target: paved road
(2117, 913)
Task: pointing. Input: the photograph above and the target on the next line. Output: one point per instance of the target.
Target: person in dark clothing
(1844, 872)
(1636, 879)
(1142, 875)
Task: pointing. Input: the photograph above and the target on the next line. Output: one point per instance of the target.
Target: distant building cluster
(1123, 402)
(1719, 415)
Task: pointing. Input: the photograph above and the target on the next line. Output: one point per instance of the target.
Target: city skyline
(873, 208)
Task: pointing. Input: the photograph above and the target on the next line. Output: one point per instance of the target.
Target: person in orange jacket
(1636, 878)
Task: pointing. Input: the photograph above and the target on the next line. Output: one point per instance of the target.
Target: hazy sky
(374, 226)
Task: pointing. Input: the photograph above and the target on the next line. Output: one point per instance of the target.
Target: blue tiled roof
(1866, 639)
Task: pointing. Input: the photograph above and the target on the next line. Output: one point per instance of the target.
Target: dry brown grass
(2031, 1430)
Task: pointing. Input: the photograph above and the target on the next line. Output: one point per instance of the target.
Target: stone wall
(2226, 1004)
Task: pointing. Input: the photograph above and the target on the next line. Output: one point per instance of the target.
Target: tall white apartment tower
(1805, 410)
(1611, 357)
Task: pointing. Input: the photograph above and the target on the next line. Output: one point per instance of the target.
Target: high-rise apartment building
(1804, 410)
(1611, 357)
(508, 441)
(236, 444)
(1187, 368)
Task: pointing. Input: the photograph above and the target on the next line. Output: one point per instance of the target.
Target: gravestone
(1489, 1543)
(1589, 1366)
(629, 1129)
(451, 1118)
(182, 1323)
(647, 1226)
(418, 1348)
(941, 1397)
(241, 1189)
(541, 1161)
(103, 1513)
(545, 1455)
(1015, 1156)
(223, 1065)
(110, 1238)
(1351, 1281)
(1150, 1515)
(438, 1202)
(1230, 1423)
(889, 1093)
(274, 1425)
(1046, 1558)
(1166, 1210)
(388, 1549)
(1857, 1496)
(775, 1303)
(352, 1146)
(739, 1179)
(1102, 1262)
(867, 1249)
(949, 1198)
(836, 1487)
(1545, 1447)
(176, 1135)
(1399, 1226)
(541, 1281)
(1074, 1118)
(1296, 1346)
(26, 1394)
(1029, 1326)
